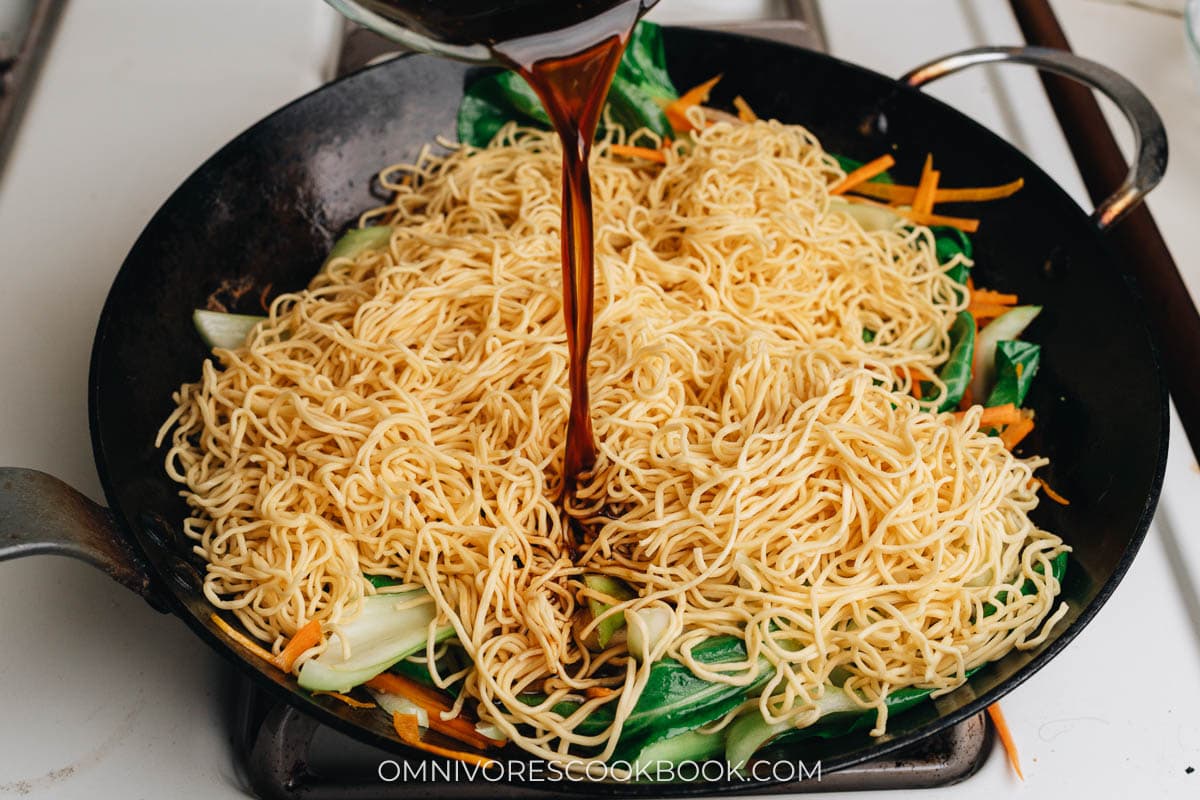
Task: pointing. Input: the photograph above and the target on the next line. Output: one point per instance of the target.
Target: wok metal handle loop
(39, 514)
(1150, 138)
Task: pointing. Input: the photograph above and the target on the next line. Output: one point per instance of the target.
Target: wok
(270, 203)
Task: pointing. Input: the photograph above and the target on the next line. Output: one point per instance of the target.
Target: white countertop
(108, 698)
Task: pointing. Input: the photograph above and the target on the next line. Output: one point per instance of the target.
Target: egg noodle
(763, 470)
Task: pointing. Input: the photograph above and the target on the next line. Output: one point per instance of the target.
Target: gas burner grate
(287, 755)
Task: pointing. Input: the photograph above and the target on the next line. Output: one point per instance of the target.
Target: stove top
(286, 755)
(135, 94)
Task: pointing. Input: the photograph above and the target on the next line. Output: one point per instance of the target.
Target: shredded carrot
(979, 194)
(629, 151)
(463, 730)
(676, 110)
(1053, 495)
(410, 733)
(922, 204)
(1020, 370)
(427, 698)
(347, 699)
(962, 223)
(968, 399)
(897, 193)
(242, 639)
(994, 416)
(989, 296)
(982, 311)
(915, 375)
(598, 691)
(864, 173)
(1014, 433)
(435, 703)
(745, 112)
(306, 637)
(1006, 738)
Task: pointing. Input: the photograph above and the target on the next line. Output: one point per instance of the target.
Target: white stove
(105, 697)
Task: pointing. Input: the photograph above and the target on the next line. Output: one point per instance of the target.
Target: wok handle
(39, 514)
(1150, 138)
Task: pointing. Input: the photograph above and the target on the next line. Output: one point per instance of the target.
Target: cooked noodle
(762, 469)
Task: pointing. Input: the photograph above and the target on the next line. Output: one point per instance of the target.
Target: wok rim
(296, 697)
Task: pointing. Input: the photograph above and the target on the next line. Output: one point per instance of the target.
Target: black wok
(270, 204)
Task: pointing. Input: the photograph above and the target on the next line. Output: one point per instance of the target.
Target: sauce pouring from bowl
(568, 52)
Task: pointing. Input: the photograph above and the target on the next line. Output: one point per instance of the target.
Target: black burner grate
(287, 755)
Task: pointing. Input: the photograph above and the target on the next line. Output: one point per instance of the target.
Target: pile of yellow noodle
(763, 471)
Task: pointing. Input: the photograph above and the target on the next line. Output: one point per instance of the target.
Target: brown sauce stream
(568, 51)
(573, 90)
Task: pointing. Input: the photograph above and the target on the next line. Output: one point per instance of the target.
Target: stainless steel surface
(39, 514)
(1150, 137)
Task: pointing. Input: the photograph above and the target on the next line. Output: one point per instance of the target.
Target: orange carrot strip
(598, 691)
(979, 194)
(427, 698)
(968, 399)
(922, 204)
(962, 223)
(864, 173)
(1014, 433)
(1053, 495)
(463, 730)
(989, 296)
(915, 375)
(410, 733)
(982, 311)
(920, 373)
(745, 112)
(242, 639)
(350, 701)
(1006, 414)
(435, 703)
(676, 110)
(629, 151)
(306, 637)
(891, 192)
(1006, 737)
(897, 193)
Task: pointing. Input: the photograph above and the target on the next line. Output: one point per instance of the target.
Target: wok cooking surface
(269, 205)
